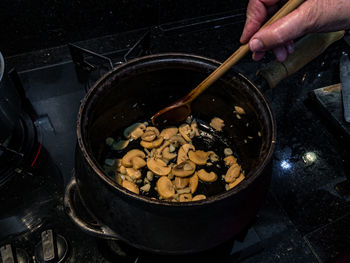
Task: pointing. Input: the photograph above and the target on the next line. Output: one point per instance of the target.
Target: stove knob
(8, 255)
(52, 248)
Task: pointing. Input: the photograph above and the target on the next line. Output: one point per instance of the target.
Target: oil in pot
(208, 140)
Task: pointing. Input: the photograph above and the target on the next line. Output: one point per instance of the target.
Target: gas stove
(301, 211)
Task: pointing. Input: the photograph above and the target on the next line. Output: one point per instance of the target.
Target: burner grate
(90, 66)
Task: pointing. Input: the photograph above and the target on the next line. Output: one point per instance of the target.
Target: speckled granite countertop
(303, 219)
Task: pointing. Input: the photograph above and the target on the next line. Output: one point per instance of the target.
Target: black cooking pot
(10, 105)
(133, 92)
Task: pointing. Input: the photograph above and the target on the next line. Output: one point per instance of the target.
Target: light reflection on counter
(286, 165)
(309, 158)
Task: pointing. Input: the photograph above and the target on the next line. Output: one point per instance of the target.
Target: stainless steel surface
(345, 82)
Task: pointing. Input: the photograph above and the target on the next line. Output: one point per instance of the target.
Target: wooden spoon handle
(240, 53)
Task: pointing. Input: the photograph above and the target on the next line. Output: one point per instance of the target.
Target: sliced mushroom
(198, 157)
(172, 148)
(138, 181)
(118, 178)
(230, 160)
(138, 162)
(154, 144)
(164, 160)
(160, 150)
(134, 174)
(207, 177)
(217, 124)
(213, 157)
(149, 175)
(183, 151)
(121, 169)
(177, 140)
(126, 160)
(165, 187)
(158, 166)
(131, 186)
(239, 110)
(180, 182)
(128, 178)
(185, 131)
(134, 131)
(194, 128)
(184, 169)
(168, 132)
(228, 151)
(145, 188)
(171, 175)
(193, 182)
(153, 129)
(189, 119)
(153, 153)
(181, 157)
(199, 197)
(185, 197)
(120, 145)
(185, 190)
(232, 173)
(236, 182)
(167, 155)
(150, 134)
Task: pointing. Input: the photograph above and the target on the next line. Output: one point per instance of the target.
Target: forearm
(328, 15)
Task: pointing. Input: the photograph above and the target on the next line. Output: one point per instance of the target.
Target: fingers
(258, 55)
(256, 15)
(277, 36)
(290, 46)
(310, 16)
(280, 52)
(282, 31)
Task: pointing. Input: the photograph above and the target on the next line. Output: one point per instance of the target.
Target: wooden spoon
(180, 109)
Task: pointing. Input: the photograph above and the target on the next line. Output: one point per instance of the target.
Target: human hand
(311, 16)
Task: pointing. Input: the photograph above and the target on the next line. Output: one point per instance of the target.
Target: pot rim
(157, 202)
(2, 66)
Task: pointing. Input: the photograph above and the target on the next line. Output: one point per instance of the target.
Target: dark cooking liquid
(209, 140)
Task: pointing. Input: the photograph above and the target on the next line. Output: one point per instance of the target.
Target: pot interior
(137, 90)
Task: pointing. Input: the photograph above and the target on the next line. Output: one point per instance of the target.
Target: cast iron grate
(90, 66)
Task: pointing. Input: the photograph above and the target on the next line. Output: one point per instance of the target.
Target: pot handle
(72, 200)
(306, 49)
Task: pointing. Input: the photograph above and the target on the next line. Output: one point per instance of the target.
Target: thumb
(288, 28)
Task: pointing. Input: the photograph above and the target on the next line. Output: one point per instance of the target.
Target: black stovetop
(304, 219)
